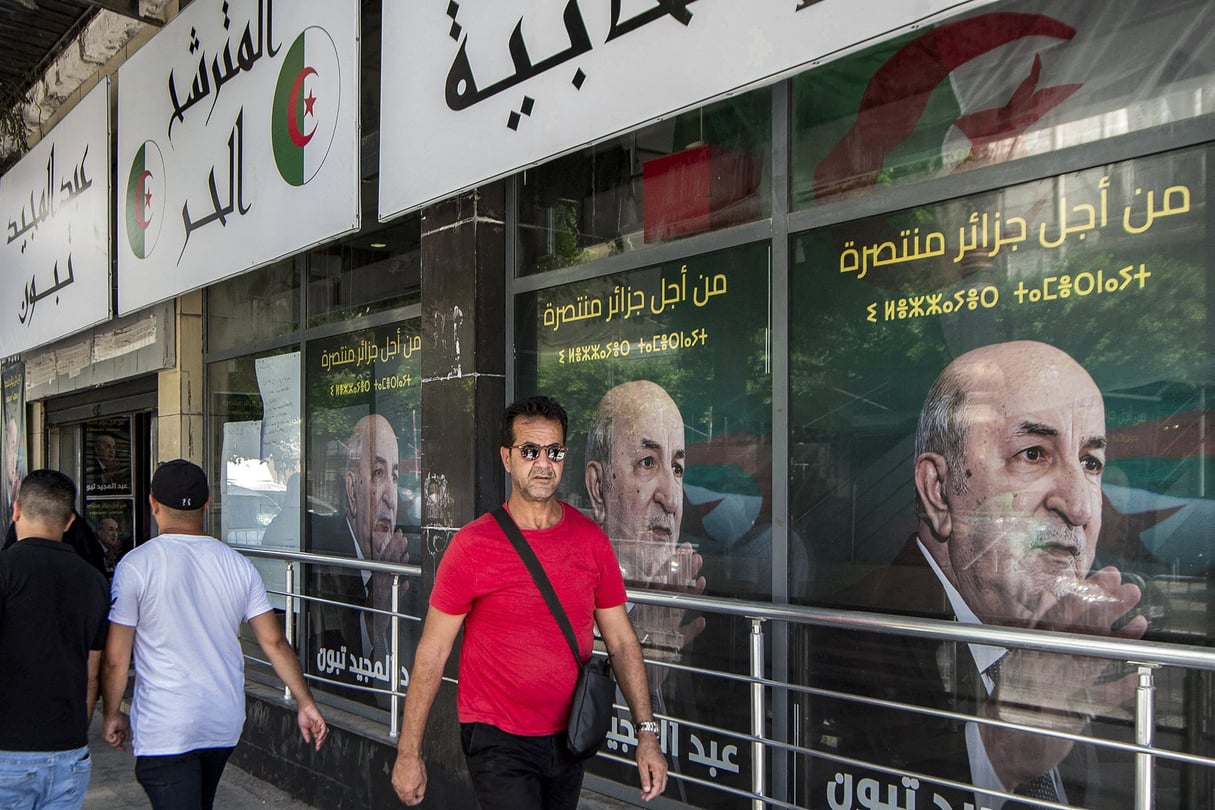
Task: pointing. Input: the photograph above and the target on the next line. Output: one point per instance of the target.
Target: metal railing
(772, 736)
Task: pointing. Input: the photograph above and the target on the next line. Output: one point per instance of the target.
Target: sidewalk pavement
(113, 786)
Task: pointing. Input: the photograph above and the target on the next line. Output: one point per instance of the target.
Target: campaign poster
(16, 463)
(107, 467)
(996, 83)
(998, 413)
(511, 83)
(362, 423)
(238, 142)
(55, 255)
(665, 373)
(113, 521)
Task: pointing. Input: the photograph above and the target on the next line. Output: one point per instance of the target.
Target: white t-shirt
(186, 597)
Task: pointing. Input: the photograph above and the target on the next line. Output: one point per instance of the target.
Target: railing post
(394, 677)
(289, 615)
(1145, 725)
(759, 765)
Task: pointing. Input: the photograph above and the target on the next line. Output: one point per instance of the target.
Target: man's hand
(1071, 685)
(116, 731)
(409, 778)
(397, 551)
(651, 766)
(1061, 692)
(661, 630)
(312, 725)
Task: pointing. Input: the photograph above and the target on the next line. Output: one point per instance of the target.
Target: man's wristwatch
(650, 726)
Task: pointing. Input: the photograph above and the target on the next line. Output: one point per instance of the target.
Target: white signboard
(238, 142)
(55, 205)
(510, 83)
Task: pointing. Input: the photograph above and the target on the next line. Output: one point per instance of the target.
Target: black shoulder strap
(542, 581)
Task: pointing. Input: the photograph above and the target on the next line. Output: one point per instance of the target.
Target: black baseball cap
(180, 484)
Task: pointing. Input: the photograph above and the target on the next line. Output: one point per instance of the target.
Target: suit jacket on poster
(331, 627)
(927, 672)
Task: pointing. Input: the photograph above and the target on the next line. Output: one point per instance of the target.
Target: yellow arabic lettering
(850, 252)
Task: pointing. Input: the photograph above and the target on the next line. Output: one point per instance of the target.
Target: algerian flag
(145, 199)
(984, 88)
(306, 106)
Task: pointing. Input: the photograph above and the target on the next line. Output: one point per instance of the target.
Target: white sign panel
(55, 205)
(509, 83)
(238, 142)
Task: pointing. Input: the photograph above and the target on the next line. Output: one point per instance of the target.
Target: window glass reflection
(254, 418)
(372, 271)
(253, 306)
(1004, 82)
(697, 172)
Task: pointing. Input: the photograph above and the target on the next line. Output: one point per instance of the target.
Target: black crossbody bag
(595, 692)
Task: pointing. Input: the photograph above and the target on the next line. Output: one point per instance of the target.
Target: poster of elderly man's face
(362, 405)
(931, 364)
(13, 450)
(107, 469)
(664, 372)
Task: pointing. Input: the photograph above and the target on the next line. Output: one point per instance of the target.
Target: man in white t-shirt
(178, 602)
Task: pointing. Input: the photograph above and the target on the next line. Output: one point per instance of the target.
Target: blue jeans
(182, 781)
(510, 772)
(44, 780)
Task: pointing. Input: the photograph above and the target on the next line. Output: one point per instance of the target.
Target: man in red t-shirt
(516, 672)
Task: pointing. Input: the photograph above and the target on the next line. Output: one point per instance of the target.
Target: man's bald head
(1009, 454)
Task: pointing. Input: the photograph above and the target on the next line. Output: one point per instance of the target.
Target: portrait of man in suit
(364, 528)
(635, 462)
(1010, 449)
(108, 471)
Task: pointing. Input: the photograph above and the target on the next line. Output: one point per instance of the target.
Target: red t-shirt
(516, 670)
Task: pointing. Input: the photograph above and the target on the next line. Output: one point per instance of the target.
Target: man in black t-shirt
(53, 608)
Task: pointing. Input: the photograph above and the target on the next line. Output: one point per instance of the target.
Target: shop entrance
(104, 439)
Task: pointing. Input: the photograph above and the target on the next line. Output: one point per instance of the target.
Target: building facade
(786, 222)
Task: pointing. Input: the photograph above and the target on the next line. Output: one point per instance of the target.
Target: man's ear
(71, 519)
(931, 482)
(594, 490)
(352, 505)
(504, 453)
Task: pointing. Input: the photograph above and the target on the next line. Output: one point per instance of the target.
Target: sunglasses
(530, 452)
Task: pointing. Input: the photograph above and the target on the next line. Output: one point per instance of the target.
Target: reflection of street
(254, 503)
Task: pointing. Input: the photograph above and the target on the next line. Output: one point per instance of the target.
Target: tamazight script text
(657, 344)
(1050, 288)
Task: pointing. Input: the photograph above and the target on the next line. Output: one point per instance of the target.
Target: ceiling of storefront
(33, 33)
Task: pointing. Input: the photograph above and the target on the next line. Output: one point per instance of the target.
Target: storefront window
(255, 306)
(255, 432)
(1007, 81)
(1108, 264)
(697, 172)
(364, 393)
(998, 410)
(373, 271)
(109, 486)
(666, 376)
